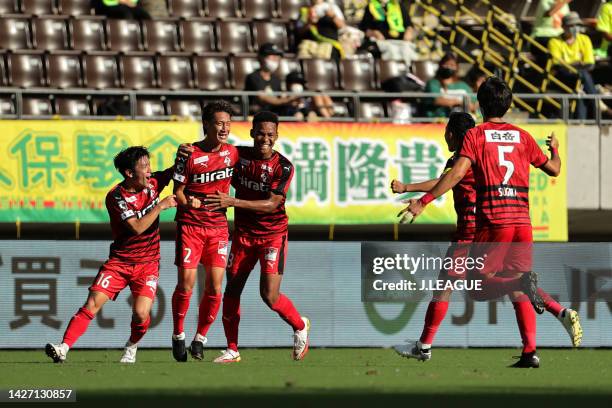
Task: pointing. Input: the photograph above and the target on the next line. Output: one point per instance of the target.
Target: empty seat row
(159, 35)
(221, 9)
(211, 72)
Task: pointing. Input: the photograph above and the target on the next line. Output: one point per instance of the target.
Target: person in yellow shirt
(604, 26)
(575, 49)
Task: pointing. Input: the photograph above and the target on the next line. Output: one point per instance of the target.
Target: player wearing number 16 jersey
(133, 206)
(500, 155)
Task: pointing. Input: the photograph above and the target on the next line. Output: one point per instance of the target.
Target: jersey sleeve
(182, 168)
(282, 179)
(469, 145)
(118, 208)
(163, 178)
(537, 158)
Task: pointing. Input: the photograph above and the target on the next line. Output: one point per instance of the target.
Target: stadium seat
(184, 107)
(211, 72)
(390, 69)
(234, 36)
(101, 70)
(271, 32)
(50, 33)
(425, 70)
(72, 106)
(290, 9)
(74, 7)
(241, 66)
(36, 106)
(37, 7)
(25, 69)
(197, 35)
(150, 107)
(161, 35)
(87, 33)
(320, 74)
(357, 74)
(111, 105)
(14, 32)
(64, 69)
(123, 35)
(137, 70)
(258, 9)
(8, 7)
(221, 9)
(185, 8)
(372, 110)
(7, 105)
(288, 64)
(3, 70)
(174, 71)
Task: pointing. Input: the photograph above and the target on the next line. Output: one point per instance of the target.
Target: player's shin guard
(231, 320)
(209, 307)
(526, 319)
(139, 330)
(550, 304)
(77, 326)
(288, 312)
(434, 316)
(180, 305)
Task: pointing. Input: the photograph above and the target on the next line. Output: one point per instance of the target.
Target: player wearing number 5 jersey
(500, 155)
(134, 207)
(202, 234)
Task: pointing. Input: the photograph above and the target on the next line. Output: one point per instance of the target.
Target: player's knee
(213, 290)
(140, 315)
(92, 306)
(268, 297)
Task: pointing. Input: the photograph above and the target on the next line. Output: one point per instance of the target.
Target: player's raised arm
(222, 200)
(553, 166)
(140, 225)
(398, 187)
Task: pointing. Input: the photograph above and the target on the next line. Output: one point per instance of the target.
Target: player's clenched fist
(168, 202)
(193, 202)
(552, 142)
(398, 187)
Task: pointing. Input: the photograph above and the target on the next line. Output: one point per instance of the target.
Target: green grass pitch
(327, 377)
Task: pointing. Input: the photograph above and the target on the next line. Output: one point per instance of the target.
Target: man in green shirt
(548, 24)
(604, 26)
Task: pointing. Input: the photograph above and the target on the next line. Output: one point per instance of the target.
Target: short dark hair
(494, 97)
(127, 158)
(208, 113)
(458, 124)
(265, 116)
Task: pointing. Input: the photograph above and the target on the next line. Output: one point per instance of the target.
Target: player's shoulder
(115, 193)
(283, 162)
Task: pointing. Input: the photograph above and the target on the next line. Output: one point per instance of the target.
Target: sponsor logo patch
(179, 177)
(271, 254)
(222, 248)
(200, 160)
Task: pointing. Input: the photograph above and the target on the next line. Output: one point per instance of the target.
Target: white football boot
(300, 341)
(129, 353)
(228, 356)
(57, 352)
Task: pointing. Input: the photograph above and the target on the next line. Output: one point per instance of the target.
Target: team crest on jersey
(265, 177)
(271, 254)
(503, 136)
(203, 160)
(222, 248)
(227, 160)
(130, 199)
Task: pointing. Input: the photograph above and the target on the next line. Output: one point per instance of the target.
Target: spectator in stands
(308, 107)
(604, 26)
(265, 80)
(549, 15)
(575, 49)
(475, 77)
(387, 24)
(122, 9)
(319, 28)
(447, 83)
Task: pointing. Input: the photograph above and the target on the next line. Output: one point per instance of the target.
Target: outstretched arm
(398, 187)
(222, 200)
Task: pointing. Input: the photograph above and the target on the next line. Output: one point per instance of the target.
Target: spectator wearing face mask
(265, 80)
(308, 107)
(575, 49)
(447, 83)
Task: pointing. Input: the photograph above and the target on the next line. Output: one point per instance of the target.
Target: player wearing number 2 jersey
(133, 206)
(499, 155)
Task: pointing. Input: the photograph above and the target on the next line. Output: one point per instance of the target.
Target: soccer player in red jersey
(202, 234)
(261, 179)
(134, 207)
(464, 198)
(499, 155)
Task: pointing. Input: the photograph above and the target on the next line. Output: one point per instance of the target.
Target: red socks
(526, 319)
(180, 305)
(288, 312)
(77, 326)
(434, 316)
(209, 307)
(550, 304)
(139, 330)
(231, 320)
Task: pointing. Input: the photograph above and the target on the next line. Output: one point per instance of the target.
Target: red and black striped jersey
(123, 205)
(501, 154)
(464, 198)
(205, 173)
(255, 180)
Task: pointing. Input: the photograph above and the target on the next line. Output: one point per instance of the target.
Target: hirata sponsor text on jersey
(405, 262)
(253, 185)
(213, 175)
